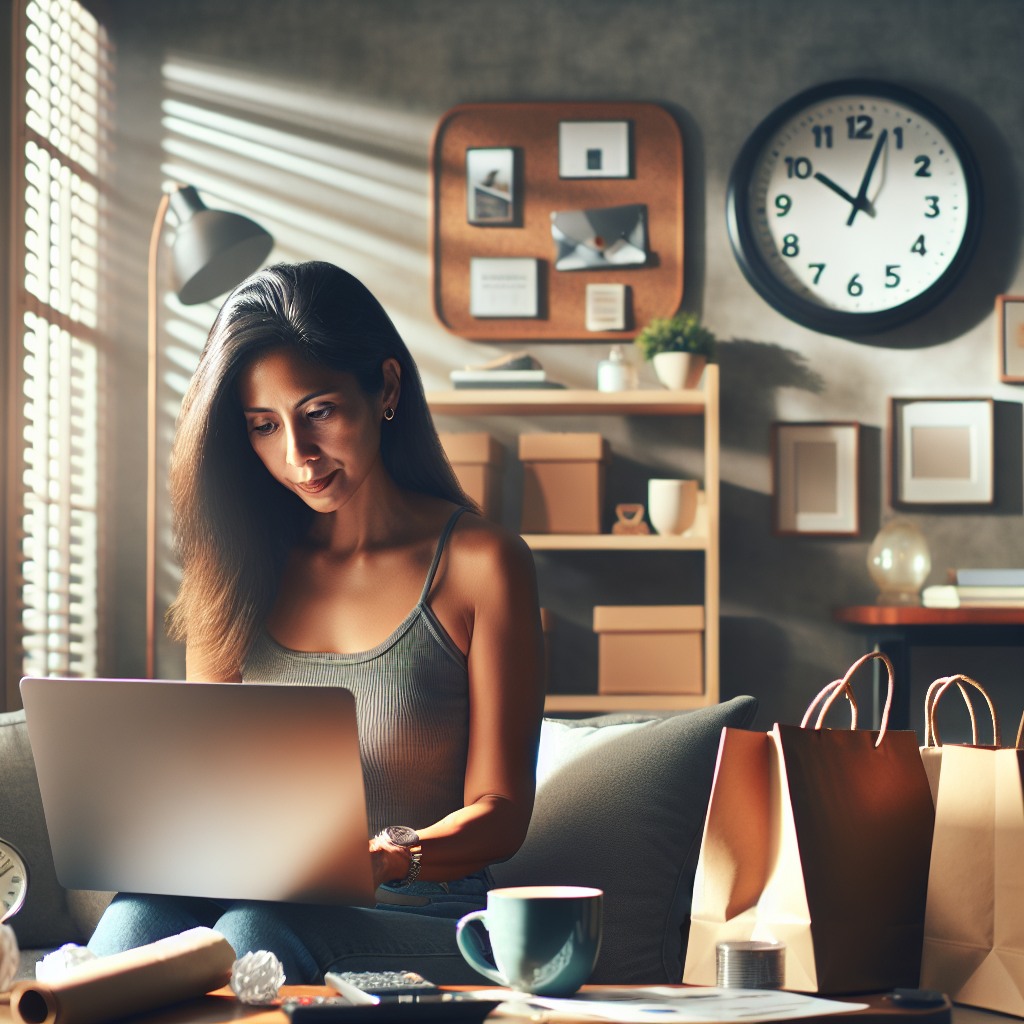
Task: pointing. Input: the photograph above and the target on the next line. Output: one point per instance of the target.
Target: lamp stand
(154, 308)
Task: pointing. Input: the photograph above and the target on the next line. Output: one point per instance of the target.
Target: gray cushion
(620, 805)
(52, 915)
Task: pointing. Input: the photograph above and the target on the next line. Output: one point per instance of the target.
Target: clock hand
(839, 190)
(861, 203)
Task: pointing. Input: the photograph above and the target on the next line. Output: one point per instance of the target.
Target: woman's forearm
(489, 829)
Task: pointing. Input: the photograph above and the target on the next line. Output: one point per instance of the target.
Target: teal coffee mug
(544, 938)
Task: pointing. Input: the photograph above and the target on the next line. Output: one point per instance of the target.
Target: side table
(895, 629)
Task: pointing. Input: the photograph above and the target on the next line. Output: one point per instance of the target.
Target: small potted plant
(678, 347)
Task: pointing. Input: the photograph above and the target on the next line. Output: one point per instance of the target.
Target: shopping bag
(820, 839)
(931, 752)
(974, 924)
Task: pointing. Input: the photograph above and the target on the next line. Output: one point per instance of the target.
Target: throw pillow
(620, 805)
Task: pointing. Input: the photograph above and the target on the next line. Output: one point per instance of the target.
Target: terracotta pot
(678, 370)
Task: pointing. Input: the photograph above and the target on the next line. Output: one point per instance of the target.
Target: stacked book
(979, 588)
(519, 370)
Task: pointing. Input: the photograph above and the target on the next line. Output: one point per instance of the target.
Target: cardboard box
(477, 459)
(650, 648)
(563, 482)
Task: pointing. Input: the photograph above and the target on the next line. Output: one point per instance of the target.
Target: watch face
(13, 881)
(854, 207)
(402, 835)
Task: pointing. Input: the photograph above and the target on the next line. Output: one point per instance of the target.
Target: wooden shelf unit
(564, 402)
(704, 536)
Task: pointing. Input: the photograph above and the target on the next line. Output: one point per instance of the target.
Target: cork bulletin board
(531, 129)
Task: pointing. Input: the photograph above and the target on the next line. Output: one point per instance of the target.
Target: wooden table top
(912, 615)
(221, 1006)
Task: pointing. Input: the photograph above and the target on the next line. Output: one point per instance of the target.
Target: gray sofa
(620, 805)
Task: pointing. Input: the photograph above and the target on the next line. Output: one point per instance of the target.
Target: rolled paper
(180, 967)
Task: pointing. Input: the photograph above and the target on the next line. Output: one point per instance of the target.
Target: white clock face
(13, 881)
(858, 204)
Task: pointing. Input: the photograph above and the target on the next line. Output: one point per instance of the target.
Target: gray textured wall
(720, 66)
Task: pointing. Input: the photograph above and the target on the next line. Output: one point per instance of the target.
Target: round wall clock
(13, 880)
(854, 207)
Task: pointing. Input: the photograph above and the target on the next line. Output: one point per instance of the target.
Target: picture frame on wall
(1010, 338)
(491, 199)
(815, 479)
(942, 451)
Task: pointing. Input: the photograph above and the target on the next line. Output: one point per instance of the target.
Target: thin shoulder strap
(445, 534)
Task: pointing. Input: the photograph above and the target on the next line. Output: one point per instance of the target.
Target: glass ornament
(899, 562)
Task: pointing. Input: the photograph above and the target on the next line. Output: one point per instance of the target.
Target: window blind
(61, 125)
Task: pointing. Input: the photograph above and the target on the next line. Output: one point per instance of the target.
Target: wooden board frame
(656, 289)
(1001, 339)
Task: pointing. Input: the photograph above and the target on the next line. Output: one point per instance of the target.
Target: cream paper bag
(820, 839)
(974, 924)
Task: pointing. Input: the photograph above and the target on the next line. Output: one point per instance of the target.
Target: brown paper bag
(820, 839)
(931, 752)
(974, 925)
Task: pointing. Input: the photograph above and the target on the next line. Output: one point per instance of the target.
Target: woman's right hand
(389, 862)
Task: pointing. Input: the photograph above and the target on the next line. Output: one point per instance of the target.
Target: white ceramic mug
(672, 505)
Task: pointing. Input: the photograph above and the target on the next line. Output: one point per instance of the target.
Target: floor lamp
(213, 251)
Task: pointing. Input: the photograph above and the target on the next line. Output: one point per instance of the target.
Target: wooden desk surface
(909, 615)
(221, 1006)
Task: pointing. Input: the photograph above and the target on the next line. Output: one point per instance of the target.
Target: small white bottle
(615, 373)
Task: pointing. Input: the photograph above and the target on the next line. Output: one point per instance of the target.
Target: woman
(314, 508)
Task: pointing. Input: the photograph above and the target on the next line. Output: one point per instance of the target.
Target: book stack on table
(979, 588)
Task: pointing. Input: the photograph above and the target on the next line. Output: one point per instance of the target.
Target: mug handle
(469, 947)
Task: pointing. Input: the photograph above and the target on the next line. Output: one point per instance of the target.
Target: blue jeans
(310, 939)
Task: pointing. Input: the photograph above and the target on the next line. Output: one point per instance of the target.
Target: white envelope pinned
(615, 236)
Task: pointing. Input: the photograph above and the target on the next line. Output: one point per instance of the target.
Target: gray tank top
(412, 707)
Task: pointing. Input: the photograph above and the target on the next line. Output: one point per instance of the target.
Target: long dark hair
(233, 523)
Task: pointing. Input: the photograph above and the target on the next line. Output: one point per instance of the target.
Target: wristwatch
(408, 839)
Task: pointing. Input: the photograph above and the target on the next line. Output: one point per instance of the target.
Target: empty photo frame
(1010, 338)
(942, 451)
(814, 478)
(594, 149)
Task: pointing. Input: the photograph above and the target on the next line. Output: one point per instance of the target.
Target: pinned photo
(490, 193)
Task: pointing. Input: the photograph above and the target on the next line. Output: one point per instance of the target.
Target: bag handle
(940, 686)
(842, 686)
(835, 685)
(930, 739)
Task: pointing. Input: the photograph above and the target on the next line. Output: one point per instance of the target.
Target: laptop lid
(202, 789)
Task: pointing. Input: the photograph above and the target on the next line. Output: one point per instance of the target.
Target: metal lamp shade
(213, 250)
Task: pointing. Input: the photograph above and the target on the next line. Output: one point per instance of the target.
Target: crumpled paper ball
(10, 957)
(257, 977)
(61, 962)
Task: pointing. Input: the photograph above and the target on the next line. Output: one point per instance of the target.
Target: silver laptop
(202, 789)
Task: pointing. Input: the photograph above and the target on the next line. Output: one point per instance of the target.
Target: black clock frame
(755, 267)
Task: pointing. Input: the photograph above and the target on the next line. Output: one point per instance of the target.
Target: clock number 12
(859, 127)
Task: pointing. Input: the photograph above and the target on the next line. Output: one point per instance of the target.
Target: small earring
(389, 414)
